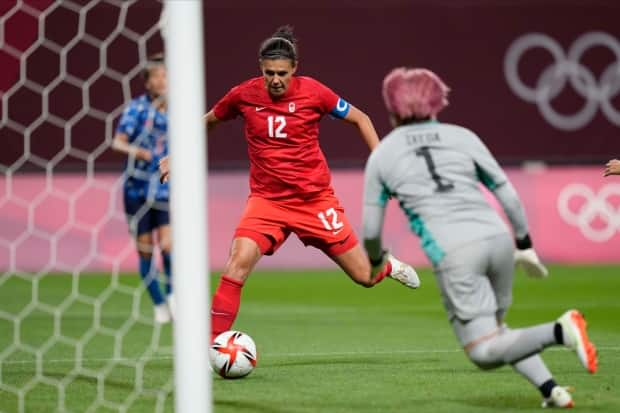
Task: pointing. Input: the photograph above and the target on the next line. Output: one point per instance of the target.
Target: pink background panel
(73, 223)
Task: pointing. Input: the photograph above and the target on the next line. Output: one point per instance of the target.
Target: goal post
(78, 328)
(183, 26)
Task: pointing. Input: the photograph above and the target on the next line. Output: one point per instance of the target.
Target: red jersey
(283, 135)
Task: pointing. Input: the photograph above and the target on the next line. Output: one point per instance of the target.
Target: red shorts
(319, 221)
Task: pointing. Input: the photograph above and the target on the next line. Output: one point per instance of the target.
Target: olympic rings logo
(592, 206)
(567, 68)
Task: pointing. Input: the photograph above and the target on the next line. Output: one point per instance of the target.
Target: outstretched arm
(211, 120)
(364, 125)
(493, 177)
(525, 255)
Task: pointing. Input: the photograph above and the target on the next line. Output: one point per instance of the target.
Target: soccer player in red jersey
(290, 182)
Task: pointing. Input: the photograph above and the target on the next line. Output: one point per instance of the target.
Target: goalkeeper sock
(165, 257)
(225, 305)
(150, 280)
(533, 368)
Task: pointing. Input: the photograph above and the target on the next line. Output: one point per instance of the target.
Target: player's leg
(490, 344)
(139, 218)
(476, 282)
(144, 242)
(244, 254)
(533, 368)
(323, 224)
(354, 262)
(259, 232)
(165, 245)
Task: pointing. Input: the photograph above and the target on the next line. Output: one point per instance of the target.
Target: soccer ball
(233, 354)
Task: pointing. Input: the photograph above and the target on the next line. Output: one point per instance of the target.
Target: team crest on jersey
(291, 107)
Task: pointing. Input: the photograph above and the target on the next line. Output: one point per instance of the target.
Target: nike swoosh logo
(217, 313)
(337, 232)
(259, 108)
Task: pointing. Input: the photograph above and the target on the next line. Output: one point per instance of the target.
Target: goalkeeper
(435, 171)
(142, 135)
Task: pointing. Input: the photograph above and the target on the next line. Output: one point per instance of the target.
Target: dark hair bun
(286, 32)
(281, 45)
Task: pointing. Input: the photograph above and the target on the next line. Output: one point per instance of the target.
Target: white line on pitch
(320, 354)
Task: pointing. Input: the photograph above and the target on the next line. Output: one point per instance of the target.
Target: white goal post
(183, 25)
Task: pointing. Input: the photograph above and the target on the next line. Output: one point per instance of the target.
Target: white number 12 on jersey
(335, 224)
(280, 123)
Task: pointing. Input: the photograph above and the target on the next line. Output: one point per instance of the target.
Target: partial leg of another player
(476, 284)
(163, 235)
(490, 346)
(244, 254)
(356, 264)
(149, 277)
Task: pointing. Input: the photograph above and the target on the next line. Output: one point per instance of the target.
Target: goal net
(76, 325)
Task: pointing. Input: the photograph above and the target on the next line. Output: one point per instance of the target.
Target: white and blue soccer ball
(233, 354)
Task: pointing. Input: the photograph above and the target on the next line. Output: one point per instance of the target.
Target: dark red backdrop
(349, 45)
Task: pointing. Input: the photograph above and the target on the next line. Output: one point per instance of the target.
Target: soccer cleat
(575, 337)
(162, 314)
(560, 397)
(403, 273)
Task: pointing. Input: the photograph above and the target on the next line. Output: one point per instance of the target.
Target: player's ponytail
(281, 45)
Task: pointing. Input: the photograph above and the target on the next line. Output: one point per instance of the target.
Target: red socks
(387, 269)
(225, 305)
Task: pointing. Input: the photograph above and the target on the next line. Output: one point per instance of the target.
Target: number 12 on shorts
(330, 215)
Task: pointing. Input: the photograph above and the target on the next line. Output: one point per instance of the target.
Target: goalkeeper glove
(525, 256)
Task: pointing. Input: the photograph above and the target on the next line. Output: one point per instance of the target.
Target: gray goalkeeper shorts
(476, 279)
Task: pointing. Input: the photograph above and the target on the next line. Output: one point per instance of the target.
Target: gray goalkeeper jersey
(434, 169)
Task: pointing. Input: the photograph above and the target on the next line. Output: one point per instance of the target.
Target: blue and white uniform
(145, 198)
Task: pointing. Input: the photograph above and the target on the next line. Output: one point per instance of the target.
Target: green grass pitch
(325, 345)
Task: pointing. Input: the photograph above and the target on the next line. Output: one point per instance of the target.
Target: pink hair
(417, 93)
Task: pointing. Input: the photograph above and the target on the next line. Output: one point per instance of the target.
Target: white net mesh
(76, 333)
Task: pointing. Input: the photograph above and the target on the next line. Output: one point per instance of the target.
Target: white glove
(531, 263)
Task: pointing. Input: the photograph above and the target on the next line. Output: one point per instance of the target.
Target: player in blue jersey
(141, 134)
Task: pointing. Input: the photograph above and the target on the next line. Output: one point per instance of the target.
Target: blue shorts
(144, 216)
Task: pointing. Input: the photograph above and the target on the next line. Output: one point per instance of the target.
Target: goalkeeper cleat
(162, 314)
(575, 337)
(403, 273)
(560, 397)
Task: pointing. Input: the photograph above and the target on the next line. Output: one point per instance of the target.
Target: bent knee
(482, 358)
(366, 283)
(165, 245)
